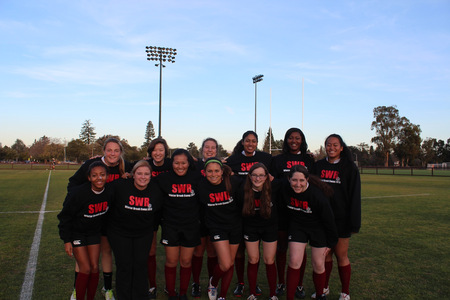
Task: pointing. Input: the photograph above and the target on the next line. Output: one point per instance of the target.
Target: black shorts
(343, 228)
(267, 234)
(82, 240)
(204, 232)
(234, 235)
(316, 237)
(184, 236)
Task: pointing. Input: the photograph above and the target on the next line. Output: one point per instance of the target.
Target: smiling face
(141, 177)
(214, 173)
(112, 153)
(158, 154)
(209, 149)
(258, 177)
(333, 148)
(98, 177)
(298, 182)
(294, 141)
(250, 143)
(180, 164)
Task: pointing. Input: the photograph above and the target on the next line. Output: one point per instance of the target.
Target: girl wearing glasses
(260, 223)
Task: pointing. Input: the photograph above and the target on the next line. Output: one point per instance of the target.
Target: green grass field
(402, 251)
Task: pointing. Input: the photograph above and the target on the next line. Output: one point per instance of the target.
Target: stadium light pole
(256, 79)
(160, 54)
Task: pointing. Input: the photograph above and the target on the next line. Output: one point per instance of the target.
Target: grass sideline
(402, 250)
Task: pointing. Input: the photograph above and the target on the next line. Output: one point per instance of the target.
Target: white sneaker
(273, 298)
(109, 295)
(344, 296)
(74, 295)
(212, 291)
(326, 291)
(252, 297)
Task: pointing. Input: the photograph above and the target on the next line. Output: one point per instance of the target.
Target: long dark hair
(303, 145)
(239, 146)
(155, 142)
(248, 208)
(346, 154)
(312, 179)
(187, 154)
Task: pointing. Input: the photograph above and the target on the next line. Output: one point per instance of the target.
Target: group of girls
(225, 207)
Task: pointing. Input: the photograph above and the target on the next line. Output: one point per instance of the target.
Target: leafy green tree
(429, 151)
(193, 150)
(221, 153)
(407, 148)
(387, 126)
(271, 145)
(149, 134)
(87, 133)
(37, 149)
(77, 151)
(21, 150)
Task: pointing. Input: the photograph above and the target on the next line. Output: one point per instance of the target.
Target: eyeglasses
(258, 176)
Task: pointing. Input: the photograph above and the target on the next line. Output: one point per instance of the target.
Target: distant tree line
(396, 140)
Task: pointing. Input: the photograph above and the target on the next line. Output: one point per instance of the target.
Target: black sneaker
(281, 288)
(152, 293)
(196, 290)
(300, 292)
(258, 291)
(239, 290)
(183, 297)
(323, 297)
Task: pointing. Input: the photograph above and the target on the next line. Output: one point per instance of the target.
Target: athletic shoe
(173, 297)
(221, 298)
(300, 292)
(258, 291)
(152, 293)
(196, 290)
(344, 296)
(74, 295)
(273, 298)
(212, 291)
(323, 297)
(239, 290)
(183, 297)
(109, 295)
(326, 291)
(252, 297)
(281, 288)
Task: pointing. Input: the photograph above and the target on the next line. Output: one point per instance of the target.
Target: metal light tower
(161, 54)
(256, 79)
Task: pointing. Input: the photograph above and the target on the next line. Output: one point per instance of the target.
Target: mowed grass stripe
(401, 252)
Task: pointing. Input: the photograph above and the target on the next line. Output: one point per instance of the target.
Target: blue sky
(63, 62)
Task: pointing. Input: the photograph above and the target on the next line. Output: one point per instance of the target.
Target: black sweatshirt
(83, 211)
(132, 210)
(180, 205)
(345, 180)
(310, 210)
(241, 164)
(282, 163)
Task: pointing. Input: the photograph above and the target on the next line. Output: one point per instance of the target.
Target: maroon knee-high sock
(171, 276)
(291, 284)
(328, 269)
(226, 280)
(92, 286)
(302, 270)
(319, 283)
(151, 270)
(81, 285)
(281, 266)
(197, 262)
(252, 274)
(239, 264)
(211, 262)
(217, 274)
(345, 273)
(185, 277)
(271, 272)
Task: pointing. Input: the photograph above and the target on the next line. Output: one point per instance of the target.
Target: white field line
(395, 196)
(28, 282)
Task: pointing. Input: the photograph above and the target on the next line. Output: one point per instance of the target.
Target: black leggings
(131, 254)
